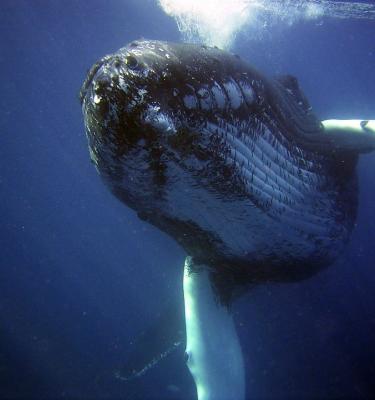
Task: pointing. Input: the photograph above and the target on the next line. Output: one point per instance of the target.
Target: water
(80, 275)
(218, 23)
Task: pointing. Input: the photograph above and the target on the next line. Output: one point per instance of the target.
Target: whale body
(237, 169)
(233, 165)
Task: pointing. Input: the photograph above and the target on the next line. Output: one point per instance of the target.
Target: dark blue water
(80, 275)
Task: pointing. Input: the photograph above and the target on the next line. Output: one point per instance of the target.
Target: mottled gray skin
(229, 163)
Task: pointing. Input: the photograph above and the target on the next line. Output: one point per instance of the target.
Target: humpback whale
(235, 167)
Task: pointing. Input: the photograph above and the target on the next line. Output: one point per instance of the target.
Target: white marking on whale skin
(234, 94)
(204, 97)
(248, 92)
(137, 52)
(150, 46)
(124, 85)
(190, 101)
(219, 95)
(159, 120)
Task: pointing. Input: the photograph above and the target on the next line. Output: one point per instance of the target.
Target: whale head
(210, 151)
(144, 107)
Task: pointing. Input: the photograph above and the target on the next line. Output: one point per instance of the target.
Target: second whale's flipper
(352, 135)
(213, 351)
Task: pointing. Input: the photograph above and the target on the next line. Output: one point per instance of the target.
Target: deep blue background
(80, 275)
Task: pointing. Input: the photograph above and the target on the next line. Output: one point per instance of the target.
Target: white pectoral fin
(214, 355)
(354, 134)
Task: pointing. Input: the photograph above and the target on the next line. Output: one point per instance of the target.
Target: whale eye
(131, 62)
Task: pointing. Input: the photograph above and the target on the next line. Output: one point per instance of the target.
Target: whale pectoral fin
(164, 336)
(213, 351)
(350, 135)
